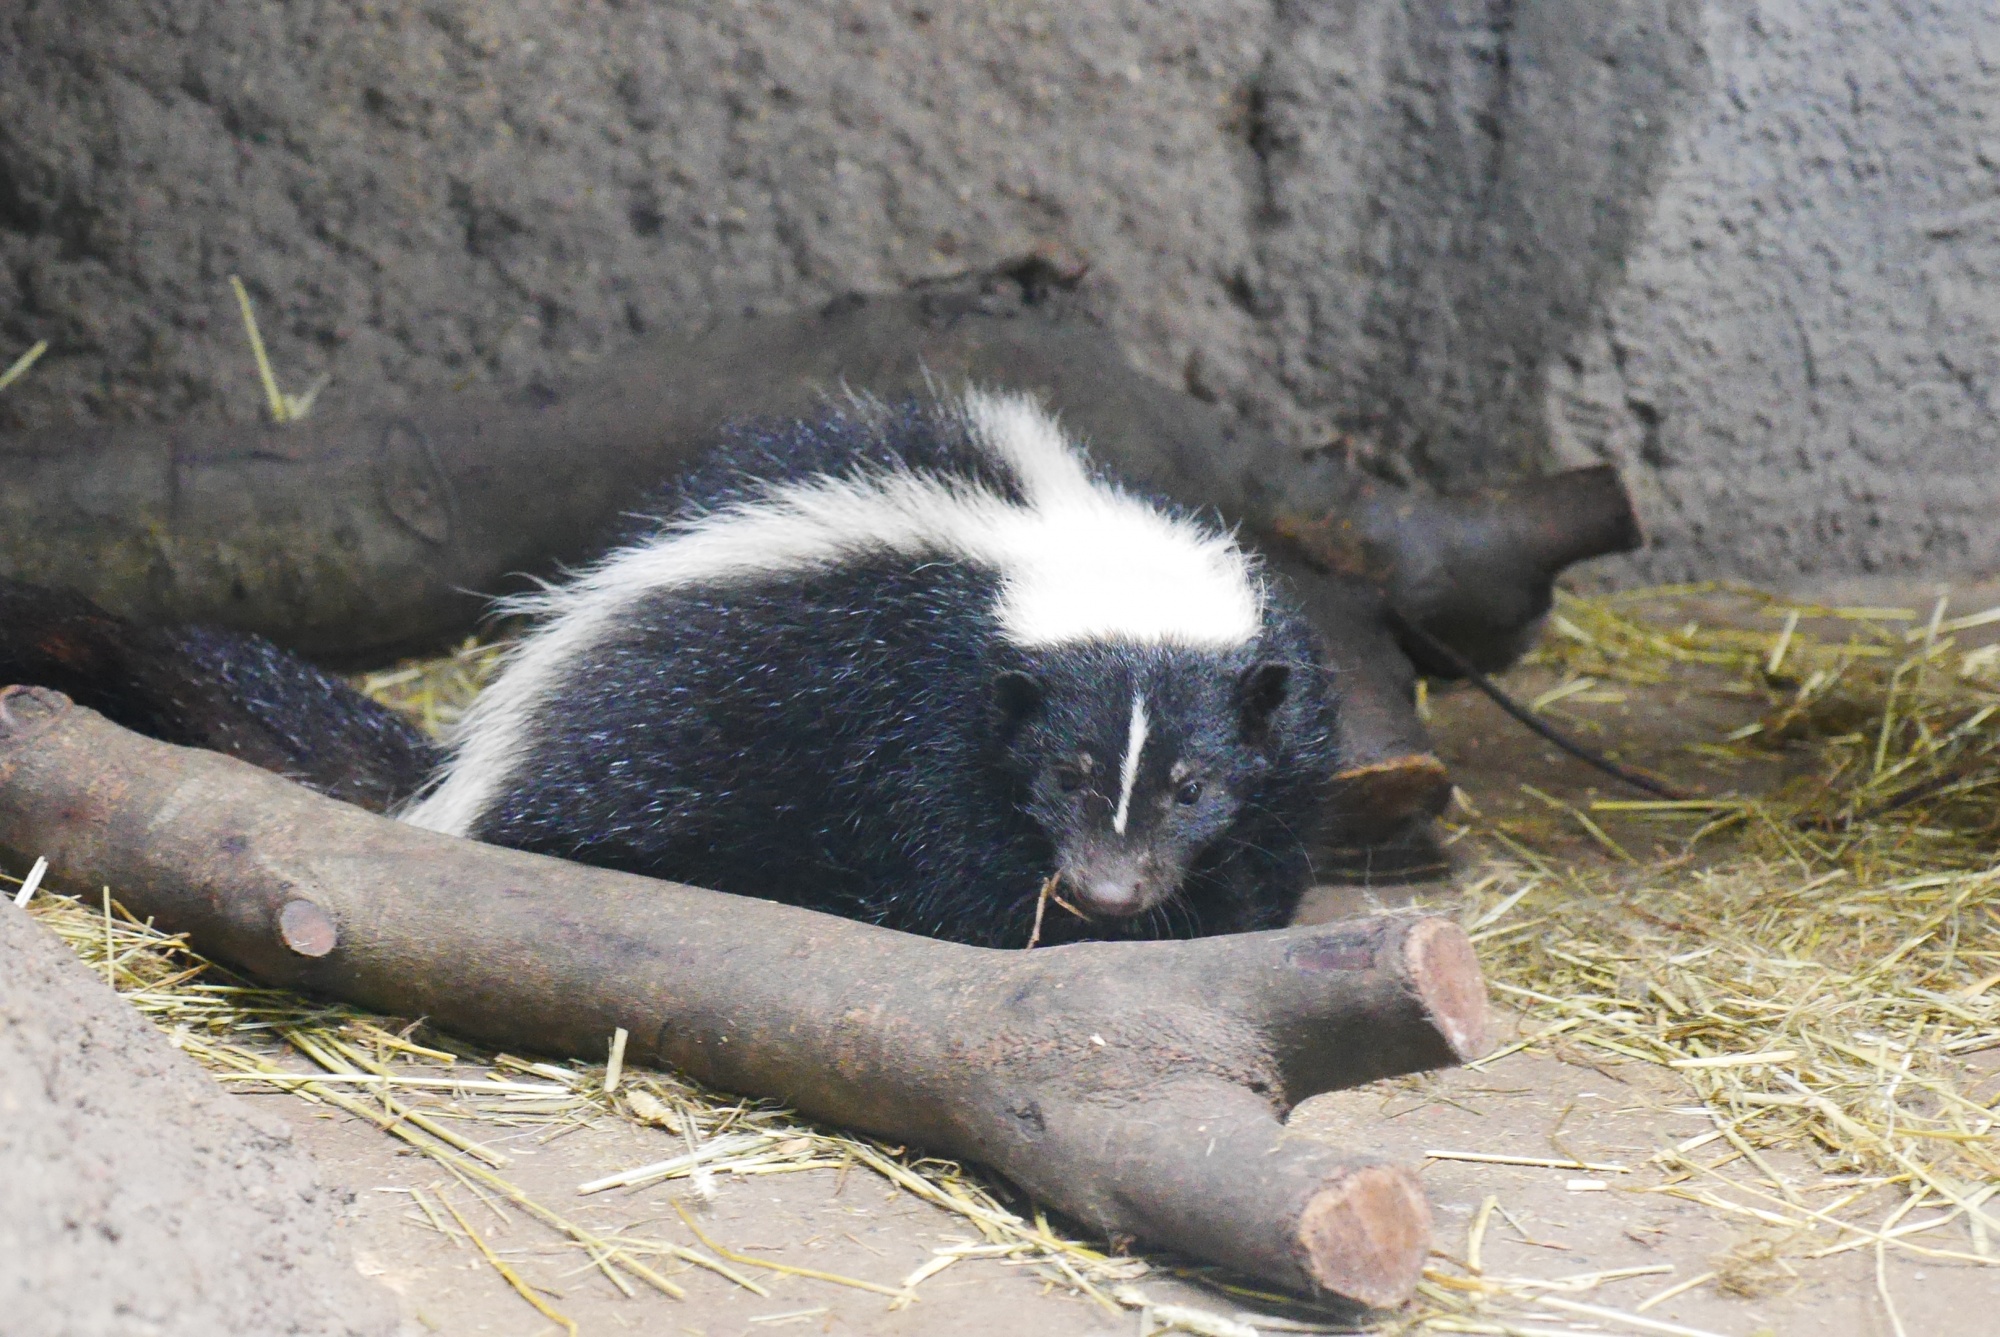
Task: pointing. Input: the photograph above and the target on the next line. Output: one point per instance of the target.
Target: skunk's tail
(219, 690)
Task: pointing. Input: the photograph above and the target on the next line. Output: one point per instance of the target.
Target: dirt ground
(1522, 1105)
(1556, 1222)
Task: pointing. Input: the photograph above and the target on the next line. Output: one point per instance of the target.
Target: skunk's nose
(1114, 887)
(1113, 896)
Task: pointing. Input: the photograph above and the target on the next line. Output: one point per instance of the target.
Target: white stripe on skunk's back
(1078, 560)
(1083, 561)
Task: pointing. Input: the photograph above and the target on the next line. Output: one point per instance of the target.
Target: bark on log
(1137, 1086)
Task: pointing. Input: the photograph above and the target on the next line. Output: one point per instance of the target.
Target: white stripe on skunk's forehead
(1128, 769)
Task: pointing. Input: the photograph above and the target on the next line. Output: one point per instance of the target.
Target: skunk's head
(1133, 760)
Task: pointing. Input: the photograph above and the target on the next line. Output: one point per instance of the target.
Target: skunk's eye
(1188, 793)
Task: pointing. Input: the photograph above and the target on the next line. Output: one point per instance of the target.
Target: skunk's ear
(1017, 696)
(1260, 690)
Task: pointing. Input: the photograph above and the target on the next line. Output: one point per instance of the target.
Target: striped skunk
(903, 664)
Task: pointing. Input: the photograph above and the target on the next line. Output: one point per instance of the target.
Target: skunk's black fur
(220, 690)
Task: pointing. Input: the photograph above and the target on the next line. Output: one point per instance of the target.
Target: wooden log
(1137, 1086)
(1475, 569)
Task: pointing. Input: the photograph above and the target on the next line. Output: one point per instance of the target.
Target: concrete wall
(1741, 249)
(1798, 371)
(418, 193)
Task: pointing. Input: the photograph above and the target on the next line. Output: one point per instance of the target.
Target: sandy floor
(1523, 1105)
(1557, 1222)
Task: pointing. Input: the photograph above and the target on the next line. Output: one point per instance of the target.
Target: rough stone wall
(421, 193)
(1335, 217)
(1742, 249)
(1450, 188)
(1798, 372)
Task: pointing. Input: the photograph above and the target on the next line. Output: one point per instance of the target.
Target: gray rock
(1465, 238)
(1449, 189)
(136, 1199)
(422, 194)
(1797, 374)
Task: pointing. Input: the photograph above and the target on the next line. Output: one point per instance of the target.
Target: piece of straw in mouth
(1041, 907)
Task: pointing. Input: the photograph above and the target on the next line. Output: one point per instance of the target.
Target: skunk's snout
(1112, 896)
(1116, 886)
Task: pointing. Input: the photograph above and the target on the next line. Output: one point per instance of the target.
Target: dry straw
(283, 407)
(20, 365)
(1818, 964)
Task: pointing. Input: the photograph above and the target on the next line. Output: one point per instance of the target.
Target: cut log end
(1445, 971)
(307, 929)
(28, 710)
(1588, 514)
(1386, 793)
(1365, 1236)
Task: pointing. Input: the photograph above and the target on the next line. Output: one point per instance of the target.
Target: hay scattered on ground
(1818, 964)
(1895, 719)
